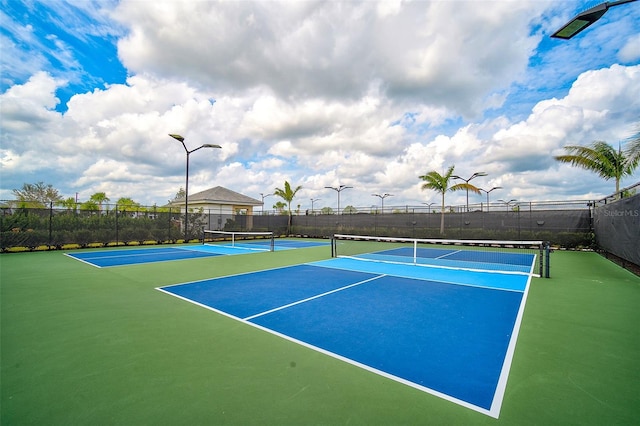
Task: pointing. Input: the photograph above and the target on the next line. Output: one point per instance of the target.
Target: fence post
(117, 239)
(50, 224)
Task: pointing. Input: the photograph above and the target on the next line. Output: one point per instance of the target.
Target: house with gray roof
(219, 200)
(220, 204)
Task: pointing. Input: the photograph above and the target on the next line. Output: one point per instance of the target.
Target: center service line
(311, 298)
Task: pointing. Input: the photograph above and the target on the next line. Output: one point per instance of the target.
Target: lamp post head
(210, 145)
(473, 176)
(340, 188)
(177, 137)
(581, 22)
(488, 191)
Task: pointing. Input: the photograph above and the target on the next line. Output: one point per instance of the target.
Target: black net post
(547, 251)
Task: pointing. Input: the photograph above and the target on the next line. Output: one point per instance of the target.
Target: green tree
(127, 204)
(600, 158)
(37, 195)
(90, 205)
(349, 210)
(440, 183)
(99, 198)
(68, 203)
(280, 205)
(180, 195)
(287, 194)
(632, 152)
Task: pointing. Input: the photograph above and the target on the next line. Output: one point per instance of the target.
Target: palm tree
(68, 203)
(99, 198)
(90, 205)
(127, 204)
(633, 150)
(287, 194)
(601, 158)
(440, 183)
(279, 205)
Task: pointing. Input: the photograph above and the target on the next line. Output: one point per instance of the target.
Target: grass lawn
(82, 345)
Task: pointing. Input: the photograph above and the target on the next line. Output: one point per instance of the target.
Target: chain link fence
(566, 224)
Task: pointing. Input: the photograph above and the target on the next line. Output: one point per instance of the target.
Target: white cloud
(370, 95)
(630, 52)
(335, 50)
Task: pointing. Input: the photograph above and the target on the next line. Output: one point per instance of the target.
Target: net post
(547, 251)
(333, 246)
(542, 259)
(272, 243)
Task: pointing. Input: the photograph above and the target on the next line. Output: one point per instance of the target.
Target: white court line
(311, 298)
(448, 254)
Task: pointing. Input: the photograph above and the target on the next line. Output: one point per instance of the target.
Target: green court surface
(82, 345)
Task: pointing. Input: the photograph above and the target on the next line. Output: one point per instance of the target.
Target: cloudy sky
(319, 93)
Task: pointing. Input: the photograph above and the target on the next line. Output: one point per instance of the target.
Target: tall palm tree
(601, 158)
(440, 183)
(287, 194)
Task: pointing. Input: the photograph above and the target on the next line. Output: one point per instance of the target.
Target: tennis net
(259, 241)
(511, 257)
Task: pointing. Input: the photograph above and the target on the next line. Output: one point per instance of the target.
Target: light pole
(586, 18)
(473, 176)
(429, 206)
(484, 190)
(313, 200)
(339, 189)
(263, 197)
(186, 185)
(382, 197)
(508, 202)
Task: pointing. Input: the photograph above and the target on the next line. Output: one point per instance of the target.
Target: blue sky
(365, 94)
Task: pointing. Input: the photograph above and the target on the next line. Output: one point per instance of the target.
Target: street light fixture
(429, 206)
(339, 189)
(263, 197)
(473, 176)
(186, 185)
(582, 20)
(508, 202)
(313, 200)
(484, 190)
(382, 197)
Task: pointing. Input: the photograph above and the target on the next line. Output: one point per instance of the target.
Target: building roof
(219, 195)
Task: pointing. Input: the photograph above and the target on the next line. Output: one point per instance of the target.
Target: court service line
(312, 297)
(448, 254)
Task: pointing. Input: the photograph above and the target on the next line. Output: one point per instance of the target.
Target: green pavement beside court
(83, 345)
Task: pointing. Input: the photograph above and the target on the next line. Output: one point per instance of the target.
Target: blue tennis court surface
(451, 335)
(456, 258)
(123, 257)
